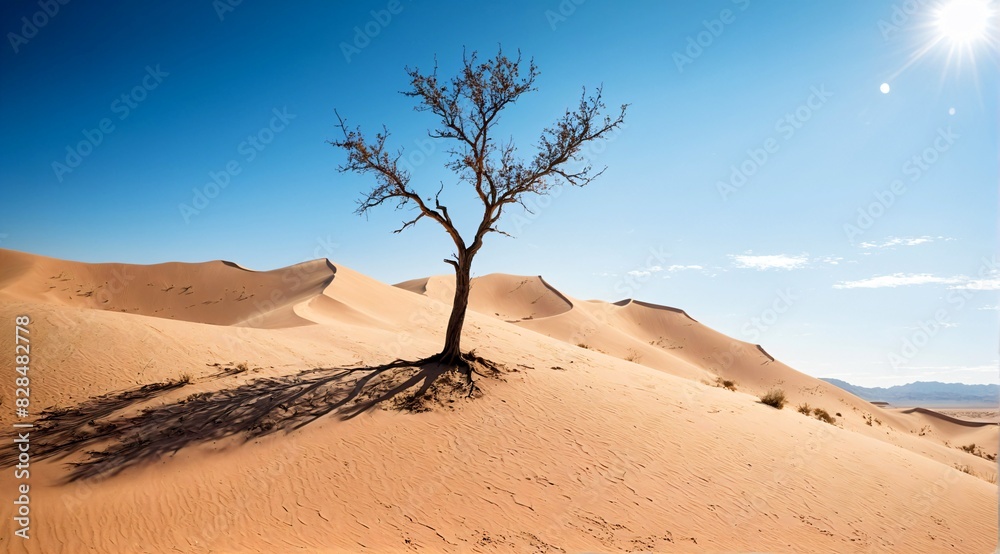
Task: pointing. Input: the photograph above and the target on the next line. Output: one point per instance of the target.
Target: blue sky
(762, 181)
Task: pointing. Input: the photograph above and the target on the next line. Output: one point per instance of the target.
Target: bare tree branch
(392, 182)
(409, 223)
(468, 106)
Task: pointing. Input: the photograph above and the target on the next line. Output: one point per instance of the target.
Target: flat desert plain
(206, 407)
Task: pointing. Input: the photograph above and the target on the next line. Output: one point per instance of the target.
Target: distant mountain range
(926, 393)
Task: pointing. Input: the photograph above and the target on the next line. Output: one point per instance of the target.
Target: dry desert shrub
(823, 415)
(978, 451)
(989, 477)
(774, 398)
(725, 383)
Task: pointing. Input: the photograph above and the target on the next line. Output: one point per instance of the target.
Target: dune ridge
(174, 290)
(945, 417)
(623, 444)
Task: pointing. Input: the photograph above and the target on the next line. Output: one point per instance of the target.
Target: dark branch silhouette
(468, 107)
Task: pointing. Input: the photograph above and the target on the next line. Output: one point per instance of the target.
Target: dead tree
(468, 107)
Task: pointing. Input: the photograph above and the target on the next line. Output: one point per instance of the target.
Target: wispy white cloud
(773, 261)
(979, 284)
(645, 272)
(899, 280)
(943, 324)
(957, 282)
(748, 260)
(891, 242)
(993, 308)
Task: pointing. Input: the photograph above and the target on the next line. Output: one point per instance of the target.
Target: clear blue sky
(114, 117)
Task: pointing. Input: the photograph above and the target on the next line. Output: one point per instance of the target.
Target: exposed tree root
(467, 363)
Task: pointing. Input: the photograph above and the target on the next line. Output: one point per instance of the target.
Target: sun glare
(963, 21)
(956, 31)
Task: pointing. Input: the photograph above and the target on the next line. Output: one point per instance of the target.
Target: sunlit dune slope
(622, 444)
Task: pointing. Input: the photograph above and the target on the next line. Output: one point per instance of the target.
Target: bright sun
(955, 31)
(963, 21)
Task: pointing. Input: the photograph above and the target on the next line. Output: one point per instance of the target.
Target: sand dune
(669, 339)
(508, 297)
(278, 443)
(947, 420)
(217, 293)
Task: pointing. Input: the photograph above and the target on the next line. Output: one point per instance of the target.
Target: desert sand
(210, 408)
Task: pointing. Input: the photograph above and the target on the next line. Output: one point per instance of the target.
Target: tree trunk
(452, 351)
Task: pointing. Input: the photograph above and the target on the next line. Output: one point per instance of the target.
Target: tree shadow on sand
(111, 443)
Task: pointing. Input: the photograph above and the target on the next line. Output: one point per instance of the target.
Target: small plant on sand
(804, 408)
(989, 477)
(978, 451)
(241, 367)
(633, 356)
(583, 345)
(868, 419)
(184, 379)
(725, 383)
(823, 415)
(774, 398)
